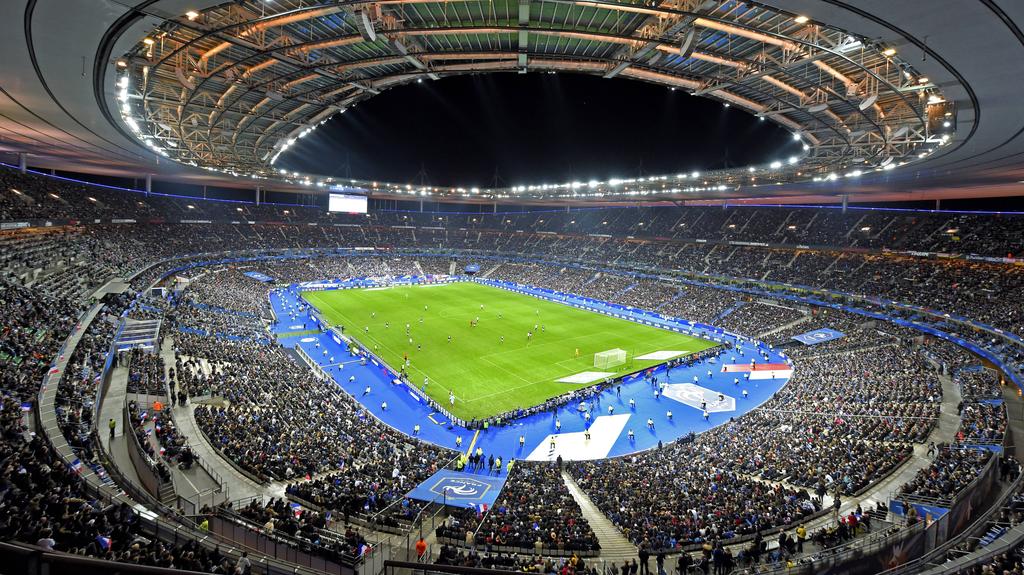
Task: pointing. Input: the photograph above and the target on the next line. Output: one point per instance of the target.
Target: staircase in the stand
(727, 311)
(451, 268)
(488, 273)
(419, 268)
(622, 291)
(802, 319)
(677, 295)
(166, 493)
(614, 545)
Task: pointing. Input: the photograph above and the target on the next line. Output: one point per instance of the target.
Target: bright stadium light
(775, 165)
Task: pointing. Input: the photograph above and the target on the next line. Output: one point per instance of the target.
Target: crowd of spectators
(953, 468)
(982, 422)
(45, 504)
(34, 327)
(978, 384)
(535, 512)
(461, 557)
(843, 422)
(226, 289)
(39, 198)
(310, 527)
(1009, 563)
(374, 485)
(283, 423)
(221, 323)
(757, 318)
(145, 372)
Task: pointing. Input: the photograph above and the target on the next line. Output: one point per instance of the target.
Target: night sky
(535, 128)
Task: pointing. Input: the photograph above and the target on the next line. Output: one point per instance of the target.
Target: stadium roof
(890, 98)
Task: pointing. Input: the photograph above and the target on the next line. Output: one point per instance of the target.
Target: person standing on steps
(112, 425)
(645, 557)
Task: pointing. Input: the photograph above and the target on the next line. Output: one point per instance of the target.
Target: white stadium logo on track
(693, 395)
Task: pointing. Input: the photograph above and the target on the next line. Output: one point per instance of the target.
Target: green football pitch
(487, 375)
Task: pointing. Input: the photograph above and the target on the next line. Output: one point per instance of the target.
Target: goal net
(610, 358)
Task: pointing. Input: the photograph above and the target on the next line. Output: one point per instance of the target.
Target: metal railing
(921, 563)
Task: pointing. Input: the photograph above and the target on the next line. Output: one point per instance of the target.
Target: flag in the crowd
(297, 510)
(365, 549)
(104, 542)
(76, 465)
(26, 406)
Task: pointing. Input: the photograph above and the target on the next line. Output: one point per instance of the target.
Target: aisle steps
(614, 545)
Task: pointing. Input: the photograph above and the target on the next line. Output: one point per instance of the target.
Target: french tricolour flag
(760, 370)
(104, 542)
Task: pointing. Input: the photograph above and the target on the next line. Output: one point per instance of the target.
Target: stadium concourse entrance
(639, 411)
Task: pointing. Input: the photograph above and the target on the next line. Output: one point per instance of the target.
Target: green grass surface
(487, 376)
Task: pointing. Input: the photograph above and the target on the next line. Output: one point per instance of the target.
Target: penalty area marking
(585, 377)
(659, 355)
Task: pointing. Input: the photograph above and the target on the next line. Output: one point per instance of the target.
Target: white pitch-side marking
(659, 355)
(585, 377)
(575, 447)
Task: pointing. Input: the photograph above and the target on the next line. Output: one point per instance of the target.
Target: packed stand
(953, 469)
(534, 511)
(57, 514)
(145, 372)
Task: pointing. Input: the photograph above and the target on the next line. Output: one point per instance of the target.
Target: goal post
(609, 358)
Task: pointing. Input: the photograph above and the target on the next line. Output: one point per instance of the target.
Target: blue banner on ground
(818, 336)
(459, 489)
(259, 277)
